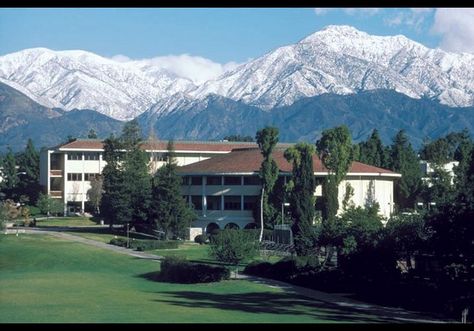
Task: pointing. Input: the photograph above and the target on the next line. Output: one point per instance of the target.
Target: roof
(247, 161)
(213, 146)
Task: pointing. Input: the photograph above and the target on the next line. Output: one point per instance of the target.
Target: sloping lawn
(45, 279)
(65, 221)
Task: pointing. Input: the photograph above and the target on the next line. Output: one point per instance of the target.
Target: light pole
(282, 212)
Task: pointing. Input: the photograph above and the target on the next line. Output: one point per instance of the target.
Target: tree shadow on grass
(274, 303)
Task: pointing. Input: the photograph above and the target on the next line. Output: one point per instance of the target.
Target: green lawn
(66, 221)
(45, 279)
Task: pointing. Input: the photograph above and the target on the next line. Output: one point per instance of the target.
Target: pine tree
(92, 134)
(267, 139)
(404, 160)
(170, 212)
(29, 173)
(302, 196)
(372, 151)
(10, 176)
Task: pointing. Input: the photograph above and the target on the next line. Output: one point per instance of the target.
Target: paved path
(392, 313)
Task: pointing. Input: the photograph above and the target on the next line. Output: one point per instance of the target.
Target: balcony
(56, 194)
(56, 173)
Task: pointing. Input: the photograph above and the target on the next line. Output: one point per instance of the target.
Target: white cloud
(196, 68)
(412, 18)
(456, 27)
(362, 11)
(321, 11)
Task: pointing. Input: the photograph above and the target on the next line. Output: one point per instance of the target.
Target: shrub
(256, 268)
(146, 245)
(178, 270)
(201, 239)
(122, 242)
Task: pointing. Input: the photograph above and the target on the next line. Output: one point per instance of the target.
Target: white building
(427, 170)
(224, 190)
(220, 179)
(66, 170)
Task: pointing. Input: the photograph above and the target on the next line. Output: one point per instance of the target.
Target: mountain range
(338, 75)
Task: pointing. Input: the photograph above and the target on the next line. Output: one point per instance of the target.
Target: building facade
(224, 190)
(66, 170)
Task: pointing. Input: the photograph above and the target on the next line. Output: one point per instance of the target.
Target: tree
(131, 135)
(170, 212)
(437, 152)
(404, 160)
(28, 163)
(267, 139)
(48, 205)
(92, 134)
(115, 203)
(10, 175)
(94, 194)
(233, 246)
(8, 212)
(302, 196)
(372, 151)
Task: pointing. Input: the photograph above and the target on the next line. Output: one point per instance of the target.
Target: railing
(56, 173)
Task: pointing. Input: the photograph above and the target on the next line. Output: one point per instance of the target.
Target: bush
(256, 268)
(146, 245)
(34, 211)
(122, 242)
(178, 270)
(201, 239)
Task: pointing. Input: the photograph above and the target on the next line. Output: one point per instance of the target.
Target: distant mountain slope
(388, 111)
(22, 118)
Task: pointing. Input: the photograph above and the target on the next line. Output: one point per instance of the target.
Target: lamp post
(282, 212)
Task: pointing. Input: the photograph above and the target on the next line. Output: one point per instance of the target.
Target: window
(213, 202)
(184, 180)
(232, 180)
(232, 202)
(56, 184)
(75, 177)
(196, 201)
(196, 180)
(250, 202)
(74, 156)
(90, 176)
(252, 180)
(213, 180)
(91, 156)
(55, 161)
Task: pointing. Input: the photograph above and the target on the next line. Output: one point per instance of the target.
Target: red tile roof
(215, 146)
(249, 161)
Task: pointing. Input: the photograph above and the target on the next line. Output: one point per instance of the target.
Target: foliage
(302, 196)
(336, 151)
(94, 194)
(373, 151)
(48, 205)
(145, 245)
(28, 174)
(178, 270)
(404, 160)
(233, 246)
(267, 138)
(201, 239)
(170, 212)
(122, 242)
(10, 175)
(92, 134)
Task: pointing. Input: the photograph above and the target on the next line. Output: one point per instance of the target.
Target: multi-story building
(224, 190)
(66, 170)
(220, 179)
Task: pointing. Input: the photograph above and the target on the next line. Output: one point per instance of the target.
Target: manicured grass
(66, 221)
(45, 279)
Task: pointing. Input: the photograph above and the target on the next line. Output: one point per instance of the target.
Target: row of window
(77, 177)
(87, 156)
(231, 202)
(217, 180)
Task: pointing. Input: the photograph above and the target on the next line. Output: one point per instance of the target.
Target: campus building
(220, 179)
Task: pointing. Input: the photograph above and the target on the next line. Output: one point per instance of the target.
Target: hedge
(145, 245)
(178, 270)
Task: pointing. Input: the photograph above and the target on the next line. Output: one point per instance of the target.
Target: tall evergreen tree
(170, 211)
(131, 135)
(302, 196)
(116, 201)
(10, 176)
(267, 139)
(404, 160)
(372, 151)
(28, 163)
(92, 134)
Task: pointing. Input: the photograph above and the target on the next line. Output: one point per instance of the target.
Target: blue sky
(219, 36)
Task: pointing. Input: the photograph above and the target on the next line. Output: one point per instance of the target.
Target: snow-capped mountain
(83, 80)
(344, 60)
(338, 59)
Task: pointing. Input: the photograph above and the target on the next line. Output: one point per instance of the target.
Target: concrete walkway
(396, 314)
